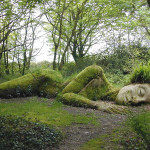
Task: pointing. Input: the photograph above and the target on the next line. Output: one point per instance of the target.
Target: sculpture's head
(134, 94)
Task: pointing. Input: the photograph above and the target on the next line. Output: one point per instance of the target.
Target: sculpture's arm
(110, 108)
(81, 101)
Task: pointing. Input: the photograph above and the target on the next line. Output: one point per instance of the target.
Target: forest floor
(77, 135)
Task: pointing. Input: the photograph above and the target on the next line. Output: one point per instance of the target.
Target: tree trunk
(6, 62)
(148, 1)
(12, 65)
(19, 65)
(24, 62)
(63, 57)
(54, 60)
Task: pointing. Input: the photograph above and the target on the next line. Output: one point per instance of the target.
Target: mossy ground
(85, 121)
(49, 113)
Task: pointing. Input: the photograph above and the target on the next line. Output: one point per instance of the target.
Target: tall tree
(12, 19)
(77, 23)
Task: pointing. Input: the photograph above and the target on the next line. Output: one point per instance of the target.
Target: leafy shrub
(140, 124)
(135, 142)
(17, 133)
(117, 79)
(141, 74)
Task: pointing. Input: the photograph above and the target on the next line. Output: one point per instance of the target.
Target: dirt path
(78, 134)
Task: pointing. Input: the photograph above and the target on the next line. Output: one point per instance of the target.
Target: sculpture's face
(134, 94)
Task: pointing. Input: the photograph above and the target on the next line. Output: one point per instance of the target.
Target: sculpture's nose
(132, 100)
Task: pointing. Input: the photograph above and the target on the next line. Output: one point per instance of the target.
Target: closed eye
(141, 92)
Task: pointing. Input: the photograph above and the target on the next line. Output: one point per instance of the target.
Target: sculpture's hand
(111, 108)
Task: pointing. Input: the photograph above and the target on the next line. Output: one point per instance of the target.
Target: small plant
(16, 133)
(141, 74)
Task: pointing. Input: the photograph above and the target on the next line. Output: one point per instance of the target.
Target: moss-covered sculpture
(139, 90)
(134, 94)
(91, 83)
(41, 83)
(88, 89)
(89, 86)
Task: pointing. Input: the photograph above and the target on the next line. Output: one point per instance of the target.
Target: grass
(52, 115)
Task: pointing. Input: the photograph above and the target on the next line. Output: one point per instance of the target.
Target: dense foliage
(17, 133)
(116, 33)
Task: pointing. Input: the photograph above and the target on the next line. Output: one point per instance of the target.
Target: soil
(78, 134)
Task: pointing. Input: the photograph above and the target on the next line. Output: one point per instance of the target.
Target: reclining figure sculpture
(89, 88)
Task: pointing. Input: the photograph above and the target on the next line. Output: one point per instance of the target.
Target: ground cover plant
(16, 133)
(140, 124)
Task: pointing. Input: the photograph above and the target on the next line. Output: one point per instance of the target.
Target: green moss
(94, 144)
(95, 93)
(77, 100)
(90, 83)
(83, 78)
(44, 83)
(111, 94)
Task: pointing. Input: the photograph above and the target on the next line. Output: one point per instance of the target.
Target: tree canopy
(74, 28)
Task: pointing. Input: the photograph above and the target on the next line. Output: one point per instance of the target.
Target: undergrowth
(16, 133)
(118, 79)
(140, 124)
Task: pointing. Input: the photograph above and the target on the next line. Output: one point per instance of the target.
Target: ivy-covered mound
(17, 133)
(42, 83)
